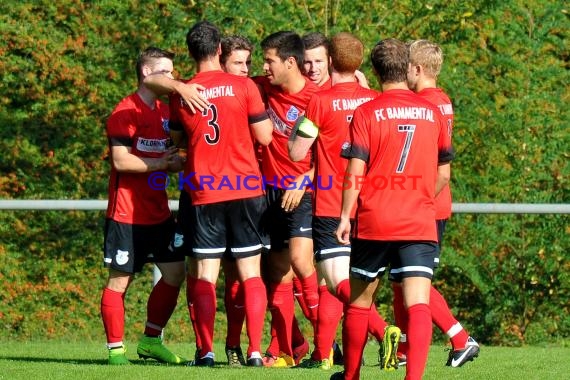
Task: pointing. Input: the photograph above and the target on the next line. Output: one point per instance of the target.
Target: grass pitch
(85, 361)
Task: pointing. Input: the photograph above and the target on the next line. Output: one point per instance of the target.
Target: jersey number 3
(213, 137)
(409, 130)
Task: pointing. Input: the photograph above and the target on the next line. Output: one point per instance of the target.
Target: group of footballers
(280, 235)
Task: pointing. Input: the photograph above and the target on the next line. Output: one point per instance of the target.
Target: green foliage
(65, 64)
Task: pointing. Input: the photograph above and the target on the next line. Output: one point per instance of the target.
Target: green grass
(84, 361)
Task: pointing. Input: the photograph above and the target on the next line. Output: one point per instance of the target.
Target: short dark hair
(203, 40)
(148, 55)
(313, 40)
(390, 58)
(287, 44)
(231, 43)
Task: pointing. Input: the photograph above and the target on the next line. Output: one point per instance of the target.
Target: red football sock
(255, 307)
(445, 321)
(400, 317)
(419, 338)
(282, 307)
(330, 312)
(298, 291)
(160, 306)
(354, 336)
(343, 292)
(204, 297)
(376, 324)
(311, 295)
(235, 312)
(297, 337)
(113, 315)
(273, 348)
(190, 284)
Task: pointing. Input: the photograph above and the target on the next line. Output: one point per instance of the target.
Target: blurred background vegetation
(65, 64)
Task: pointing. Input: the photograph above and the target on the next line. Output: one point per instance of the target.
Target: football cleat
(284, 361)
(389, 347)
(402, 359)
(206, 361)
(324, 364)
(235, 356)
(117, 356)
(269, 360)
(300, 351)
(459, 357)
(152, 348)
(337, 376)
(337, 355)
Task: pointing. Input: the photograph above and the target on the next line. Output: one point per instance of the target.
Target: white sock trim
(454, 330)
(209, 355)
(255, 355)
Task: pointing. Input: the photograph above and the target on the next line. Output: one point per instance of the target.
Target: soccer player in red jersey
(317, 60)
(426, 59)
(224, 181)
(139, 224)
(287, 93)
(235, 59)
(326, 121)
(396, 143)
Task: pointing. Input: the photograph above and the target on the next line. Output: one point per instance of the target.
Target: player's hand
(292, 197)
(174, 160)
(343, 231)
(192, 97)
(361, 79)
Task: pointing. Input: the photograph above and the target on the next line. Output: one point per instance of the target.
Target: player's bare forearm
(263, 131)
(126, 162)
(351, 186)
(443, 177)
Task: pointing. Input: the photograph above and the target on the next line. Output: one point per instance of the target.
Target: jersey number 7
(409, 130)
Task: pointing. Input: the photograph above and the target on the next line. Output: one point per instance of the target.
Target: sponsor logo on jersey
(278, 125)
(151, 145)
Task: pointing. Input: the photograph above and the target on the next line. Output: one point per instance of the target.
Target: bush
(66, 64)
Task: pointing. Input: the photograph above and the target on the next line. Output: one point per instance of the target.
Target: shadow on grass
(104, 362)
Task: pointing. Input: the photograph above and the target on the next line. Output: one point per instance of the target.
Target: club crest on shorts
(122, 257)
(178, 240)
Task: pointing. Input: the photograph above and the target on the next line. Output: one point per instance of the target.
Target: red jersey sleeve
(255, 105)
(121, 128)
(445, 149)
(359, 138)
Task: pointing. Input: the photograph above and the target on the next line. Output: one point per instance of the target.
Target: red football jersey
(331, 111)
(284, 110)
(327, 85)
(442, 101)
(401, 137)
(221, 162)
(132, 199)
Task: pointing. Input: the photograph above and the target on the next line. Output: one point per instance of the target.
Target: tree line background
(65, 64)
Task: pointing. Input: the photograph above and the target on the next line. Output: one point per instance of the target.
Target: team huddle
(284, 237)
